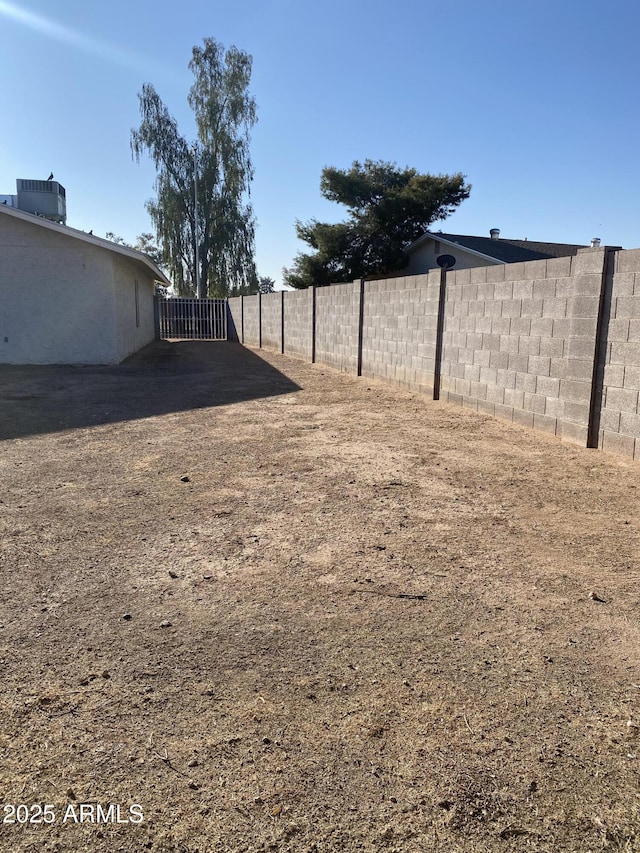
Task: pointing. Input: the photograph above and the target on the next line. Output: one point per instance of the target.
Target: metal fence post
(313, 324)
(360, 327)
(439, 333)
(282, 321)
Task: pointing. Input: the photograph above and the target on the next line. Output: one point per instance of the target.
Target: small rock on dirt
(185, 479)
(165, 624)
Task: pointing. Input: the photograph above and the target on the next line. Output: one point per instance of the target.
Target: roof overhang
(132, 254)
(429, 235)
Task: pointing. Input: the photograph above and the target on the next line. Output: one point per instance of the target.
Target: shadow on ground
(164, 377)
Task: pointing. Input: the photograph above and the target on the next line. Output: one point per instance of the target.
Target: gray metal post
(313, 324)
(360, 326)
(282, 321)
(600, 349)
(439, 333)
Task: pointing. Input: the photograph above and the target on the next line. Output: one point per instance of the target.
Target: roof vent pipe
(495, 233)
(595, 242)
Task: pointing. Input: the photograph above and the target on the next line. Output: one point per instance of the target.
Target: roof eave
(428, 235)
(101, 243)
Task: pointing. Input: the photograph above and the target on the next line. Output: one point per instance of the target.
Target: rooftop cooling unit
(44, 198)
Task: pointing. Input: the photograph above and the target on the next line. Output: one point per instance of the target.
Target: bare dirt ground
(285, 609)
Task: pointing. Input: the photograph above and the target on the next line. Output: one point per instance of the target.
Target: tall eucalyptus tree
(202, 214)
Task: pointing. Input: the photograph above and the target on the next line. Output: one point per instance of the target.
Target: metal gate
(192, 319)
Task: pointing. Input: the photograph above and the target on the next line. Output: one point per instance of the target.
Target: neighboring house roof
(500, 250)
(133, 254)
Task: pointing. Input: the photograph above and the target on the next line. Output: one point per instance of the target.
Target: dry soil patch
(357, 620)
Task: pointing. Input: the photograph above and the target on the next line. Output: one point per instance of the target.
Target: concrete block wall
(553, 345)
(337, 319)
(298, 323)
(519, 341)
(399, 330)
(251, 324)
(234, 318)
(272, 320)
(577, 389)
(619, 426)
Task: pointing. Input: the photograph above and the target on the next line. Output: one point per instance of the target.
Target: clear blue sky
(536, 102)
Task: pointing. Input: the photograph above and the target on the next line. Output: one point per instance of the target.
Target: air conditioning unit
(44, 198)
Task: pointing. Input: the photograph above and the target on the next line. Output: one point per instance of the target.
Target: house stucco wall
(423, 258)
(66, 301)
(133, 328)
(57, 299)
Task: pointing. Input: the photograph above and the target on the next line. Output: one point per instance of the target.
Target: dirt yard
(262, 606)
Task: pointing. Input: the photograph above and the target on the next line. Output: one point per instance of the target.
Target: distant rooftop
(502, 249)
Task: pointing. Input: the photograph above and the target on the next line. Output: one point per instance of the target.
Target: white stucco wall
(130, 336)
(423, 258)
(65, 301)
